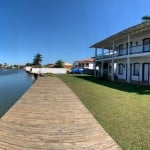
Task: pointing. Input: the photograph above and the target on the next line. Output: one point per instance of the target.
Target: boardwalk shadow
(134, 88)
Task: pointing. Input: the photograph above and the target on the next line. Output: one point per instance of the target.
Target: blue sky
(62, 29)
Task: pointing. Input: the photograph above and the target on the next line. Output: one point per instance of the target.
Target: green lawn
(122, 109)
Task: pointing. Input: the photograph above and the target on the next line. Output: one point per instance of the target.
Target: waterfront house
(85, 63)
(125, 55)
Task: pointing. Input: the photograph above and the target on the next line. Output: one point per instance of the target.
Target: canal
(13, 84)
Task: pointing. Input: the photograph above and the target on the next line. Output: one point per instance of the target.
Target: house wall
(139, 57)
(91, 66)
(140, 39)
(110, 68)
(141, 61)
(135, 40)
(121, 76)
(145, 59)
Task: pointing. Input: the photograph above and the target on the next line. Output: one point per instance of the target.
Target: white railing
(136, 49)
(123, 52)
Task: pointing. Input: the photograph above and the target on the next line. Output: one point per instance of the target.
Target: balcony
(123, 52)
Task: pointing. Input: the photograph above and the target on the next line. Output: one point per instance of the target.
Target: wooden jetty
(49, 116)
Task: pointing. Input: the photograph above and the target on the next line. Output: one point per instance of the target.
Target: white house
(85, 63)
(125, 55)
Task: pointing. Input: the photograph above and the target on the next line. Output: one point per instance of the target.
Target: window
(121, 49)
(126, 45)
(126, 48)
(136, 69)
(130, 44)
(146, 44)
(121, 68)
(130, 48)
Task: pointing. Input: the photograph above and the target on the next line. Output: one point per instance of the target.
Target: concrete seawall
(49, 116)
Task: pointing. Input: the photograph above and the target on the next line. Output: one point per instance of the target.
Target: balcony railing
(133, 50)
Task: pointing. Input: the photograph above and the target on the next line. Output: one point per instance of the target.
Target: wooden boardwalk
(49, 116)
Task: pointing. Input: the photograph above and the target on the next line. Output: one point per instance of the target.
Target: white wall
(91, 66)
(28, 68)
(122, 76)
(140, 60)
(49, 70)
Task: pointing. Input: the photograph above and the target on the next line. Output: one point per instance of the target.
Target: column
(102, 63)
(140, 72)
(95, 62)
(108, 69)
(113, 48)
(102, 68)
(128, 60)
(113, 69)
(128, 70)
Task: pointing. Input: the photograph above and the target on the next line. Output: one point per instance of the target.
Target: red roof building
(85, 63)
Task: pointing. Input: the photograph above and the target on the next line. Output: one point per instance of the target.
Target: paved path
(49, 116)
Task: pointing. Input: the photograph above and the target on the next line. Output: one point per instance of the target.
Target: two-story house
(125, 55)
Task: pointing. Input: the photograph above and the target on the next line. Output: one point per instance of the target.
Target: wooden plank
(50, 116)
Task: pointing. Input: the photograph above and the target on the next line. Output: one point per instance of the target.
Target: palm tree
(59, 64)
(37, 59)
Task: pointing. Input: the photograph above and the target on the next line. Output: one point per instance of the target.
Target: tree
(28, 64)
(146, 18)
(59, 64)
(37, 59)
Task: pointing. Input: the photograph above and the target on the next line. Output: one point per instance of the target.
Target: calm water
(13, 84)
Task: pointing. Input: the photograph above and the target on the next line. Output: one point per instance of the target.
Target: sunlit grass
(122, 109)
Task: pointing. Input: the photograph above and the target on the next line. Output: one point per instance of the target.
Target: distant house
(85, 63)
(68, 66)
(125, 55)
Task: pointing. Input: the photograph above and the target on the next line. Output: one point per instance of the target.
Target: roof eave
(121, 35)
